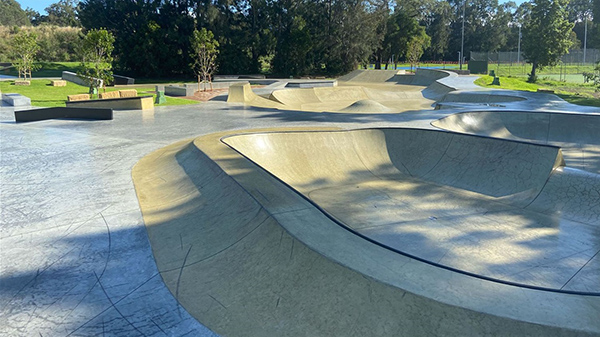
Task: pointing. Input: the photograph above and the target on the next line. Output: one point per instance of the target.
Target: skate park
(465, 211)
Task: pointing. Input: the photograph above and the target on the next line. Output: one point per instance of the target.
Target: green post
(160, 97)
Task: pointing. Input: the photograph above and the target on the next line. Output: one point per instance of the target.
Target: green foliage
(56, 43)
(416, 47)
(204, 53)
(546, 34)
(62, 13)
(11, 14)
(24, 47)
(96, 53)
(405, 37)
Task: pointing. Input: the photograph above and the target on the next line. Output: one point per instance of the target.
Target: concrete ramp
(248, 256)
(458, 200)
(577, 134)
(372, 76)
(242, 93)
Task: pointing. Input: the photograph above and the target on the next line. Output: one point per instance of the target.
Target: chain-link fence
(587, 57)
(570, 68)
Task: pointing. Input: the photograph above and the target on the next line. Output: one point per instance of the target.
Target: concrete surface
(488, 207)
(75, 258)
(15, 100)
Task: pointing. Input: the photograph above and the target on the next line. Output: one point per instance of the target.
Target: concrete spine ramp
(246, 255)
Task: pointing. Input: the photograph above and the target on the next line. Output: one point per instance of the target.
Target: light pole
(462, 39)
(519, 46)
(585, 38)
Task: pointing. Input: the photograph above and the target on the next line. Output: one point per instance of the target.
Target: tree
(439, 30)
(205, 50)
(96, 54)
(63, 13)
(415, 48)
(546, 35)
(11, 14)
(24, 47)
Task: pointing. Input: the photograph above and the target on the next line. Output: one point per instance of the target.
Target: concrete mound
(366, 105)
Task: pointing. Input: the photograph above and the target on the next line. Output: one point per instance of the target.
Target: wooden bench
(58, 83)
(80, 97)
(128, 93)
(110, 94)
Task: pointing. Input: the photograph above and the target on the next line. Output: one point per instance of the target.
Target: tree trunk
(532, 76)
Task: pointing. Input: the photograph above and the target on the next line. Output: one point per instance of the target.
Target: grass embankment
(47, 69)
(42, 94)
(582, 94)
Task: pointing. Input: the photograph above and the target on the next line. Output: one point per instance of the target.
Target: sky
(40, 5)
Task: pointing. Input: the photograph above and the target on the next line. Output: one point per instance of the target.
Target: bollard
(160, 97)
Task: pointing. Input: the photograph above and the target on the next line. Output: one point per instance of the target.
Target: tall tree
(96, 53)
(63, 13)
(11, 14)
(439, 30)
(546, 35)
(24, 46)
(205, 50)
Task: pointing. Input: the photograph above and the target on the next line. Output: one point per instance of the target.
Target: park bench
(58, 83)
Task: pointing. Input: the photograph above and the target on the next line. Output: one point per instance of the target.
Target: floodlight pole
(519, 46)
(585, 38)
(462, 40)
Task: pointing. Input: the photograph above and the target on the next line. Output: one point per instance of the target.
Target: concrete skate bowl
(319, 240)
(361, 91)
(577, 134)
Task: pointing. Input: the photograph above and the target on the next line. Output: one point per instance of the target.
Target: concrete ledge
(312, 84)
(123, 80)
(176, 90)
(128, 103)
(73, 77)
(54, 113)
(16, 100)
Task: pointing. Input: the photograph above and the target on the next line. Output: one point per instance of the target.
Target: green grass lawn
(43, 95)
(582, 94)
